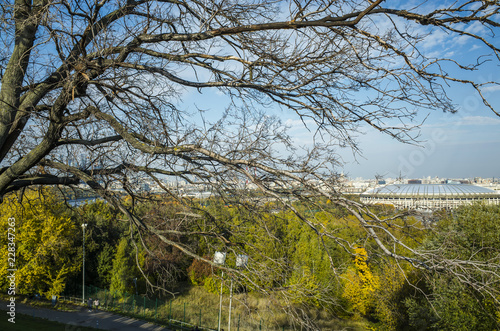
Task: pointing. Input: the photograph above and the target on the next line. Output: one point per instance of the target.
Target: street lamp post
(220, 258)
(241, 262)
(230, 300)
(84, 225)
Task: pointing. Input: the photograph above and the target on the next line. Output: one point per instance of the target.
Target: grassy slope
(251, 311)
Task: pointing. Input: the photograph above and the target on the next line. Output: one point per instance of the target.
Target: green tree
(123, 265)
(44, 241)
(102, 235)
(105, 265)
(470, 233)
(125, 269)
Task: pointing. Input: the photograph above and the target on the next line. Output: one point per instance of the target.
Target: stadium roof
(427, 190)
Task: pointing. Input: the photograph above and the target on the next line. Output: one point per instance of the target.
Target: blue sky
(460, 145)
(456, 146)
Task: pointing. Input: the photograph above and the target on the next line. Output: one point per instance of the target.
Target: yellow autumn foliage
(43, 241)
(360, 284)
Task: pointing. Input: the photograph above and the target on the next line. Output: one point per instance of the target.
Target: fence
(176, 315)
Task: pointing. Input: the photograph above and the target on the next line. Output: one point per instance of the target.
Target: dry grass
(249, 312)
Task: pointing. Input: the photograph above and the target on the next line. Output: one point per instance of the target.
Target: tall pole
(220, 303)
(241, 262)
(84, 225)
(230, 300)
(220, 258)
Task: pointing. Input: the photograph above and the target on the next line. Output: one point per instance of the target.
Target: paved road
(82, 317)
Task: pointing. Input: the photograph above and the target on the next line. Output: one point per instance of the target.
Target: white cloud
(476, 28)
(463, 40)
(298, 123)
(491, 88)
(479, 120)
(474, 47)
(436, 37)
(464, 121)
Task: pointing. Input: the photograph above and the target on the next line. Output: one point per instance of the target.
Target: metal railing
(173, 314)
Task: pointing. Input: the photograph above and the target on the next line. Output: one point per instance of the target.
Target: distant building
(429, 196)
(414, 181)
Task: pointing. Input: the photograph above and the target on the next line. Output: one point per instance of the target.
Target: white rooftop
(430, 189)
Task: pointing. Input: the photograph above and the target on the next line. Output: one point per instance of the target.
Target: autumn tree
(44, 242)
(96, 93)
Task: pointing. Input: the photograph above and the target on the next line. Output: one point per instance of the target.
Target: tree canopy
(44, 244)
(95, 92)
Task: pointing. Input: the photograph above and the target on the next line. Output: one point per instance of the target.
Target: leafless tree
(96, 92)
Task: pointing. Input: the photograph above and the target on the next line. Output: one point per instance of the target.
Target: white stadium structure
(429, 196)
